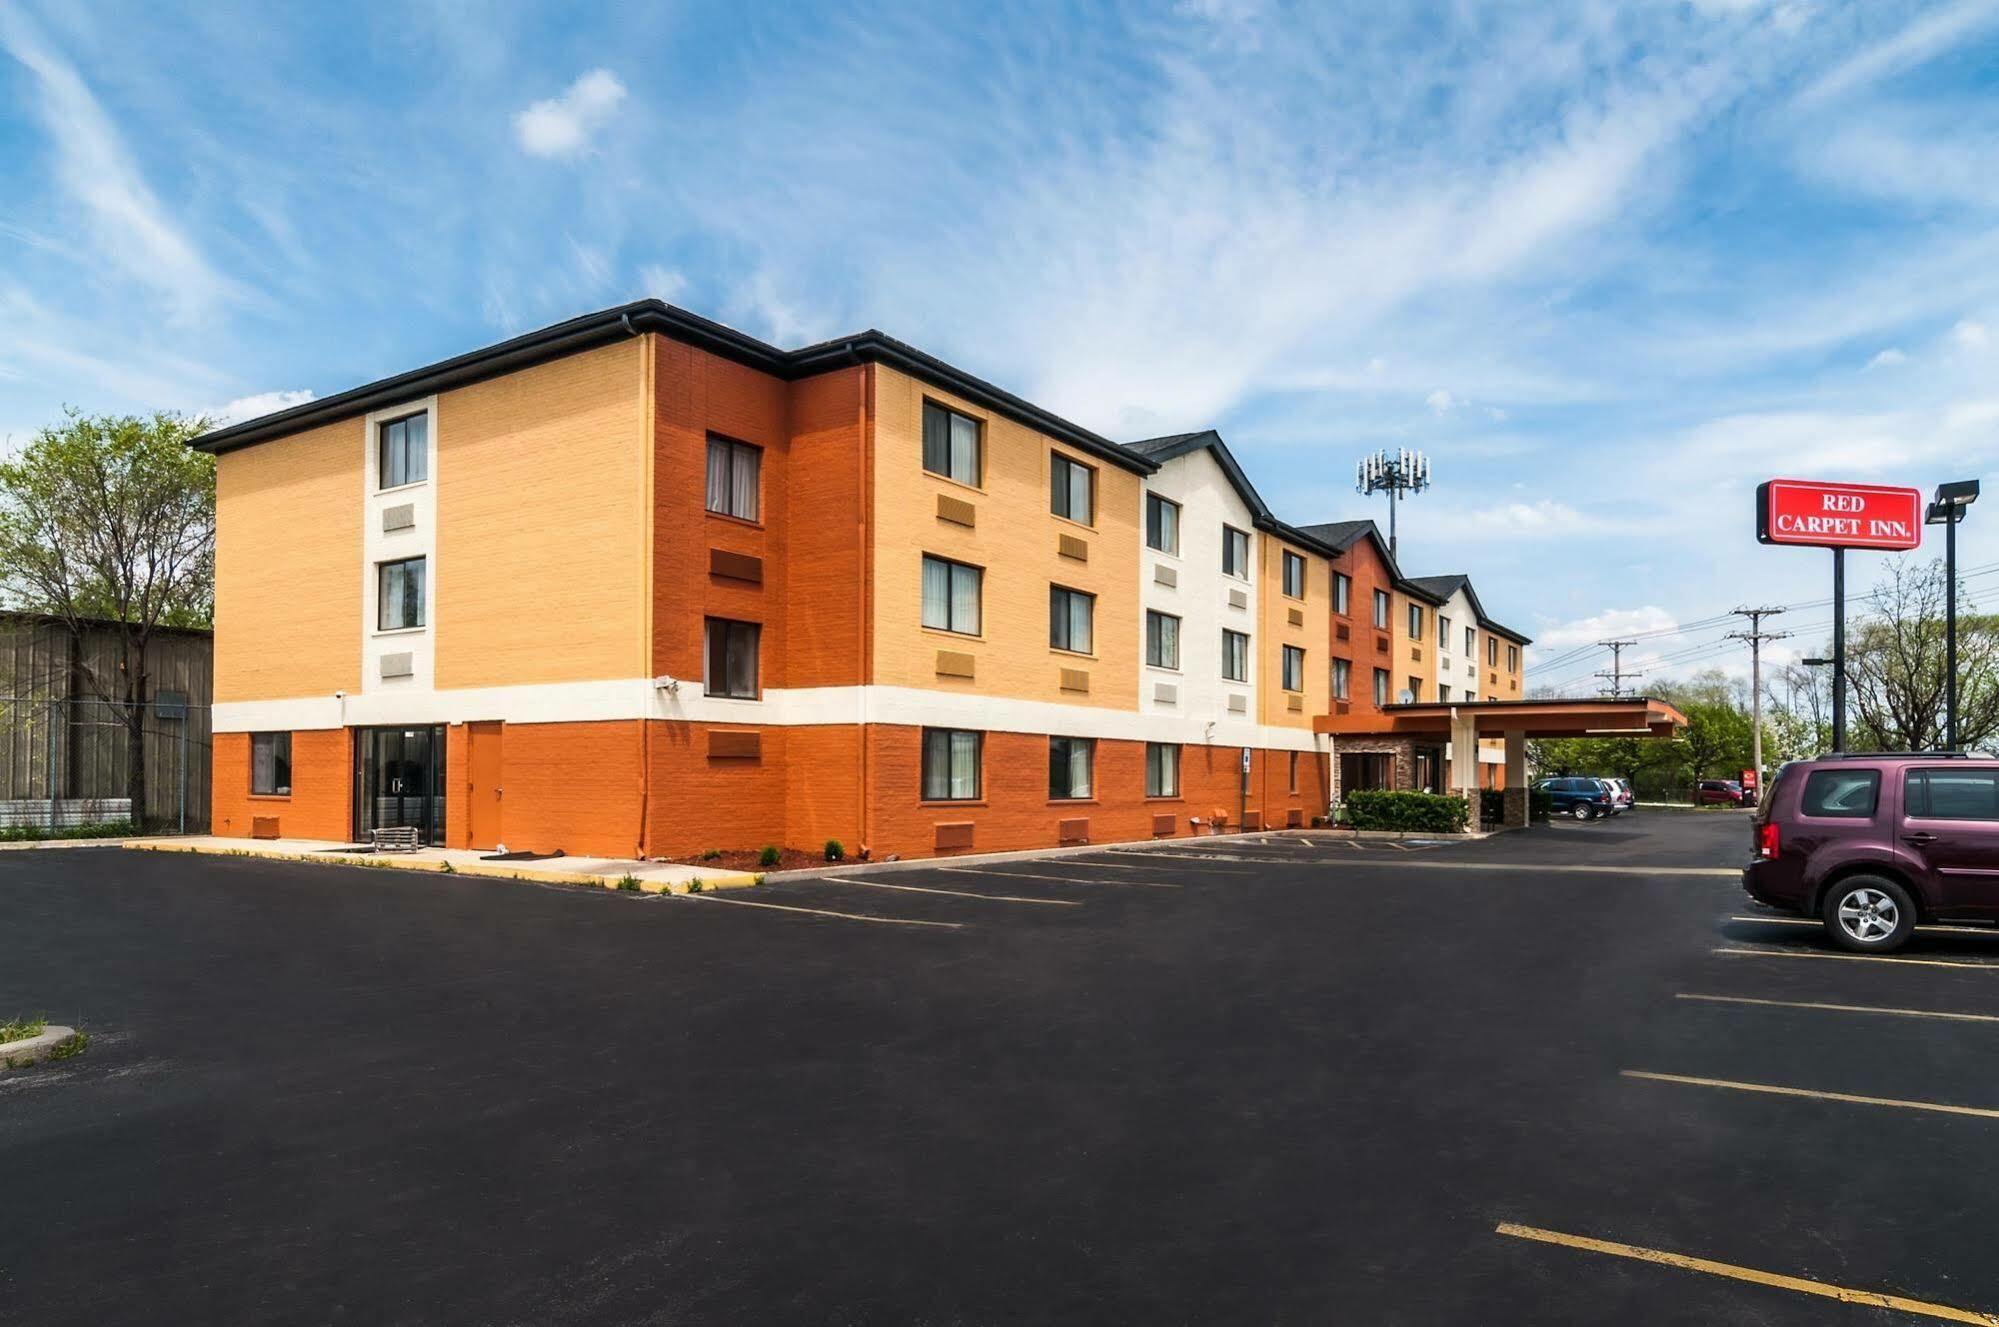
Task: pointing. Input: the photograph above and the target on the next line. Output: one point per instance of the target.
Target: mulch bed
(750, 859)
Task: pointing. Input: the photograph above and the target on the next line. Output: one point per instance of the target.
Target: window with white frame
(734, 472)
(951, 594)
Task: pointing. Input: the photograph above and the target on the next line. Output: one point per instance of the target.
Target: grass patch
(103, 829)
(71, 1046)
(23, 1028)
(629, 883)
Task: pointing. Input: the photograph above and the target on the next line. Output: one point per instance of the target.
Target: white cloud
(1440, 402)
(1611, 624)
(660, 282)
(256, 406)
(562, 126)
(132, 228)
(1888, 359)
(1915, 45)
(1545, 517)
(1971, 336)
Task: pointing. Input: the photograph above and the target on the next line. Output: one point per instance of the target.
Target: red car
(1723, 792)
(1871, 845)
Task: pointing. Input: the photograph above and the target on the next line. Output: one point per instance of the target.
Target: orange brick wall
(322, 788)
(1366, 648)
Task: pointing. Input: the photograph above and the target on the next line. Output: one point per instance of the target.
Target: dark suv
(1873, 844)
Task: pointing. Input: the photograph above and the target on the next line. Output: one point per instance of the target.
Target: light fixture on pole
(1953, 502)
(1394, 473)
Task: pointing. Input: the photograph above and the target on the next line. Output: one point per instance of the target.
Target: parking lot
(1559, 1076)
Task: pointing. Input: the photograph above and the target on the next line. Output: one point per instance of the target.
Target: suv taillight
(1768, 840)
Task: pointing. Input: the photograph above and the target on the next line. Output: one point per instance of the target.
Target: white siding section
(1201, 600)
(419, 539)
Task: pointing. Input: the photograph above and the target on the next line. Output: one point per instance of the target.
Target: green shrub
(107, 829)
(1429, 813)
(711, 855)
(769, 856)
(834, 850)
(629, 883)
(23, 1028)
(70, 1047)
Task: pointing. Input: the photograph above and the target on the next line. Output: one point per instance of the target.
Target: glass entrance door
(399, 781)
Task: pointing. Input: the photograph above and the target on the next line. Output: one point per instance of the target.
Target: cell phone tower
(1394, 473)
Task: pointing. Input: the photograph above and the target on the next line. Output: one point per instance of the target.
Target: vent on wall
(735, 744)
(400, 517)
(1238, 704)
(401, 664)
(954, 663)
(1075, 679)
(1297, 617)
(1165, 693)
(957, 835)
(1069, 546)
(1165, 575)
(956, 510)
(735, 566)
(1294, 703)
(263, 827)
(1073, 831)
(1238, 599)
(1341, 631)
(1164, 825)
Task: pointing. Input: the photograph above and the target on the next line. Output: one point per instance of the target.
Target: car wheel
(1869, 915)
(1581, 811)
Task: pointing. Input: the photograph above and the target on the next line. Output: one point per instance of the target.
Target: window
(1492, 651)
(1342, 592)
(399, 598)
(1415, 622)
(1294, 668)
(1513, 658)
(1072, 490)
(1443, 692)
(1471, 643)
(271, 764)
(1342, 679)
(1415, 688)
(1294, 771)
(403, 455)
(951, 765)
(1294, 575)
(1443, 633)
(1235, 552)
(1381, 609)
(951, 444)
(733, 471)
(1162, 640)
(732, 659)
(1846, 793)
(1069, 762)
(1162, 769)
(951, 595)
(1235, 656)
(1162, 524)
(1069, 615)
(1952, 794)
(1381, 686)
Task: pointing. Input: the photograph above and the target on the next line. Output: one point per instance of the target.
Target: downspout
(864, 624)
(647, 497)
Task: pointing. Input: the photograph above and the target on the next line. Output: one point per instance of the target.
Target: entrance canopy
(1595, 716)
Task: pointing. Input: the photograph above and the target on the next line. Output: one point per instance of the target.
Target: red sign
(1749, 779)
(1799, 511)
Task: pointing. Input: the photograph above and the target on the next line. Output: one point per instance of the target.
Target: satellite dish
(1405, 697)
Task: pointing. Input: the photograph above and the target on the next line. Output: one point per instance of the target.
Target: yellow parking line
(1854, 958)
(1921, 926)
(1062, 879)
(821, 912)
(1840, 1008)
(1774, 1090)
(965, 893)
(1754, 1275)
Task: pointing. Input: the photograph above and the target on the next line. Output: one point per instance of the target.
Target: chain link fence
(65, 764)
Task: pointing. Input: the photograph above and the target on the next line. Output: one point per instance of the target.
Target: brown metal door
(482, 760)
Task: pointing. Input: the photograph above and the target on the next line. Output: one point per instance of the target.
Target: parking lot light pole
(1953, 501)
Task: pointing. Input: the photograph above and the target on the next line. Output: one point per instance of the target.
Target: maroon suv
(1874, 844)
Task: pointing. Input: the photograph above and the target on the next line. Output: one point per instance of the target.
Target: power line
(1617, 671)
(1756, 636)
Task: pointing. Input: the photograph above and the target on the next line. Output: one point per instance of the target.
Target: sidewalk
(602, 872)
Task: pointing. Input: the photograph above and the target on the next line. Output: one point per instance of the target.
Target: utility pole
(1617, 672)
(1756, 636)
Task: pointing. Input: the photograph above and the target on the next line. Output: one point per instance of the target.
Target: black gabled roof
(1160, 450)
(1508, 632)
(1345, 534)
(626, 320)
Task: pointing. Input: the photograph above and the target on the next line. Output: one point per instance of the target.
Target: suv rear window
(1952, 794)
(1851, 793)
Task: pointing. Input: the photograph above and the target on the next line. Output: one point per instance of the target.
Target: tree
(112, 519)
(1895, 665)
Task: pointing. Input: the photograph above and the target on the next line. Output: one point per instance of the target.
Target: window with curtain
(951, 444)
(1492, 651)
(1162, 639)
(951, 764)
(1443, 692)
(734, 469)
(1342, 679)
(399, 596)
(1415, 622)
(1069, 766)
(732, 659)
(1294, 575)
(1162, 769)
(1342, 592)
(1471, 642)
(1235, 552)
(1513, 658)
(1070, 613)
(1294, 771)
(951, 595)
(1381, 609)
(1443, 633)
(1294, 668)
(403, 454)
(271, 764)
(1072, 489)
(1381, 686)
(1235, 656)
(1162, 523)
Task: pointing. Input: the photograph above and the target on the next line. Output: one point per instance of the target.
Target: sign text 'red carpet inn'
(1799, 511)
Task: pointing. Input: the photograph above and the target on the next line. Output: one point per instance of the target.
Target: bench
(395, 838)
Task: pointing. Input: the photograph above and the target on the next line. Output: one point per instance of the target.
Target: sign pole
(1839, 649)
(1950, 633)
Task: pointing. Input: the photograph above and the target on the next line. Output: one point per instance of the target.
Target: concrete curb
(35, 1047)
(20, 845)
(490, 870)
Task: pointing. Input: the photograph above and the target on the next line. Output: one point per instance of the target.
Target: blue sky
(1609, 264)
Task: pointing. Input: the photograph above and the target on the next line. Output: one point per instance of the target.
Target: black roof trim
(610, 325)
(1516, 637)
(1157, 451)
